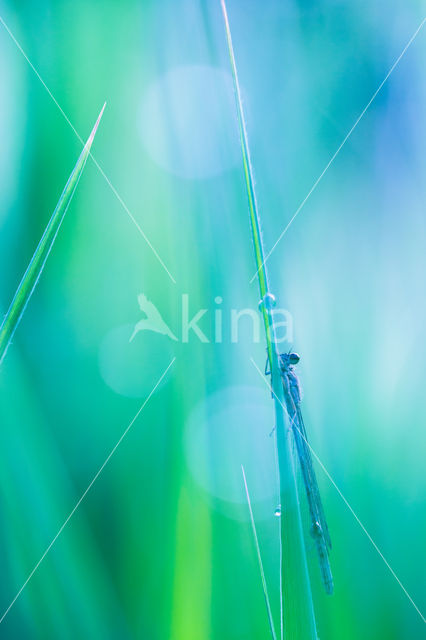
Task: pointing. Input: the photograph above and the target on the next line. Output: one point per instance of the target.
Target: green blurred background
(161, 547)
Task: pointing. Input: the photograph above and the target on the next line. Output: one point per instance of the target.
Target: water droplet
(277, 511)
(268, 301)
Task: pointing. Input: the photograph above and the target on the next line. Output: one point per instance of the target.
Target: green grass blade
(298, 619)
(38, 261)
(252, 201)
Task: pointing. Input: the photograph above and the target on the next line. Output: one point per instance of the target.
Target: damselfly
(319, 528)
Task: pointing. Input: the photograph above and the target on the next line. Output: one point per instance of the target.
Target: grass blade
(298, 619)
(36, 265)
(259, 559)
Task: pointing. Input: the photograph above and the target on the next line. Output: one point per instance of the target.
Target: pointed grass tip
(96, 125)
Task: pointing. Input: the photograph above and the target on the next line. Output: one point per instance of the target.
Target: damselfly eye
(294, 358)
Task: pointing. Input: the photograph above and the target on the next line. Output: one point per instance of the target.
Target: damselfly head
(289, 358)
(293, 358)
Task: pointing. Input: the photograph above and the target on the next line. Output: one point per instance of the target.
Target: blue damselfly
(319, 529)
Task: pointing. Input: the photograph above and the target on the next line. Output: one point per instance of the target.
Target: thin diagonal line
(347, 503)
(259, 558)
(345, 139)
(133, 219)
(40, 78)
(78, 503)
(113, 189)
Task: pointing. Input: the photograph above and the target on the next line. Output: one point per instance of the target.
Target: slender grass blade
(38, 261)
(298, 619)
(259, 559)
